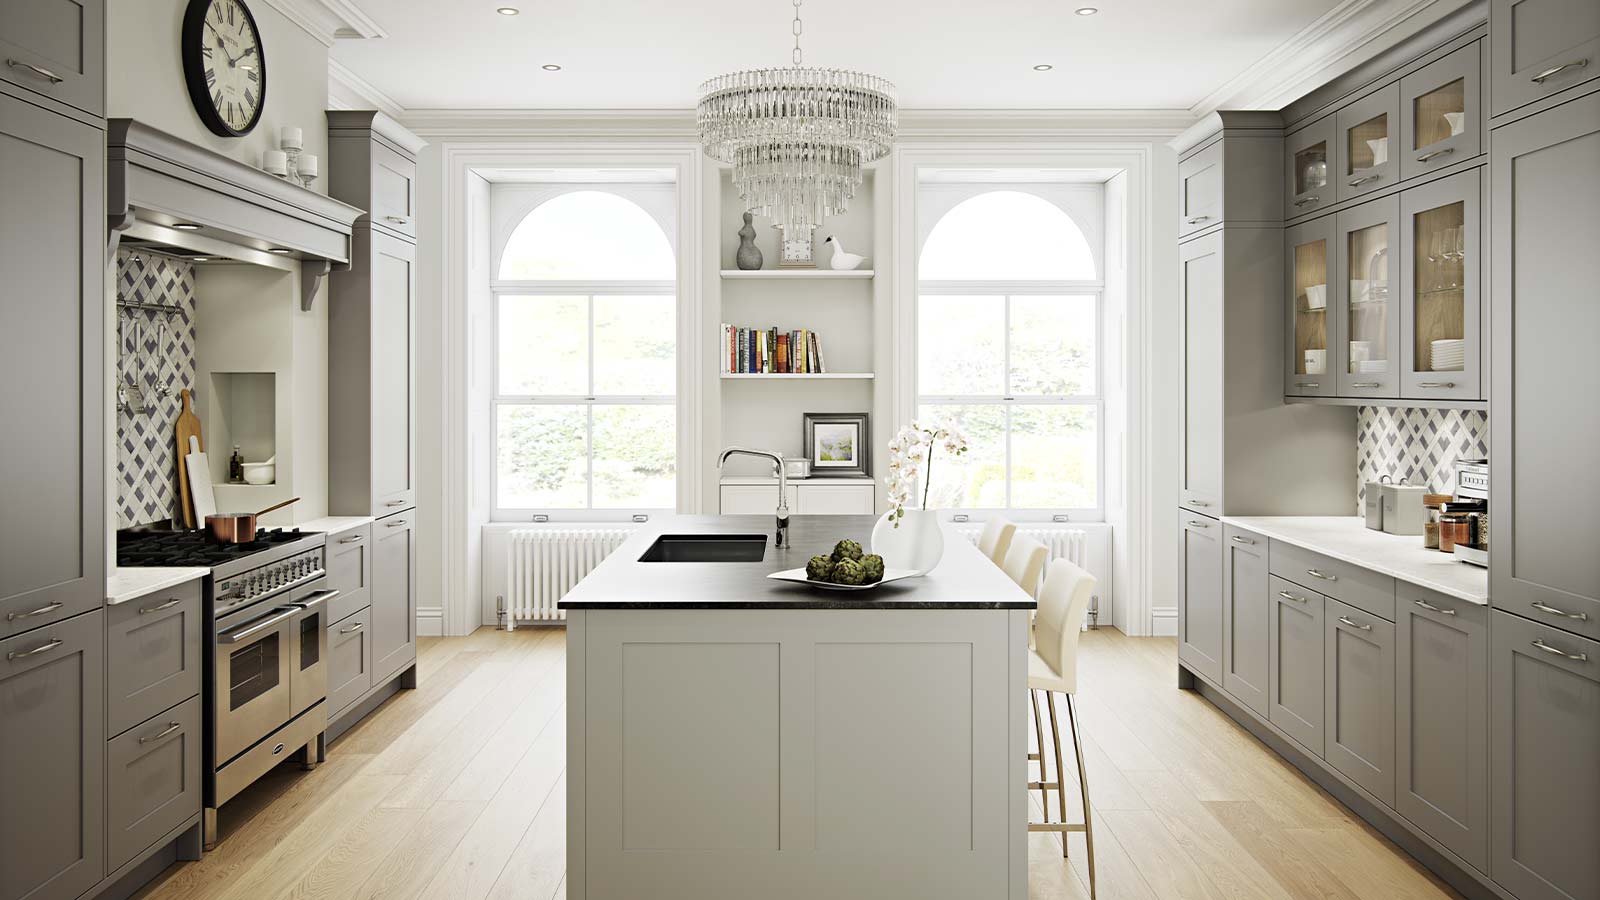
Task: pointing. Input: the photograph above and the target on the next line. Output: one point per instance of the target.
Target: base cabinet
(1246, 612)
(349, 660)
(1295, 673)
(394, 595)
(1200, 607)
(152, 781)
(1358, 726)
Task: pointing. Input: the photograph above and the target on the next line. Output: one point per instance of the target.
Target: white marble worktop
(334, 524)
(1347, 538)
(131, 583)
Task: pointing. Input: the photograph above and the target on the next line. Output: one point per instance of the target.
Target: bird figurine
(843, 259)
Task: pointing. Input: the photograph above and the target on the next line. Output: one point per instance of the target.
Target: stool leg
(1038, 730)
(1083, 786)
(1061, 772)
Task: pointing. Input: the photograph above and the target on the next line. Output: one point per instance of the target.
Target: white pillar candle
(289, 138)
(307, 164)
(276, 162)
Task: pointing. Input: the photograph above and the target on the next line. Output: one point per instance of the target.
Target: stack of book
(768, 351)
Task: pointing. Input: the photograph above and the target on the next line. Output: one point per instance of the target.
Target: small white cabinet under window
(811, 497)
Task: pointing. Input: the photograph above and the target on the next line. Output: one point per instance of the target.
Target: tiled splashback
(162, 365)
(1419, 445)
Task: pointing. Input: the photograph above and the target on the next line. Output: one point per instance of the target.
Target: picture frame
(838, 444)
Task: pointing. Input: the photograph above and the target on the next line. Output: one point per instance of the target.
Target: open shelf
(792, 376)
(733, 274)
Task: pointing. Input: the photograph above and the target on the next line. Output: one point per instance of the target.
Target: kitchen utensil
(1403, 512)
(240, 528)
(1372, 500)
(1316, 296)
(202, 498)
(798, 576)
(260, 473)
(1316, 362)
(188, 427)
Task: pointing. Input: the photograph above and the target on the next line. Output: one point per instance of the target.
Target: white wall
(1165, 421)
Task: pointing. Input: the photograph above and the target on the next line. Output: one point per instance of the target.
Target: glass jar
(1454, 528)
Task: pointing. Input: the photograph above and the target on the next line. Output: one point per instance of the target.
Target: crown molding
(347, 90)
(329, 20)
(1036, 124)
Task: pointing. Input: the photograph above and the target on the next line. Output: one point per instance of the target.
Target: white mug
(1316, 362)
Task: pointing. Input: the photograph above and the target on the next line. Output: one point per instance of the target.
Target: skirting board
(1164, 621)
(430, 621)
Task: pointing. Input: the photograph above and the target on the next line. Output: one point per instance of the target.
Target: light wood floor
(456, 790)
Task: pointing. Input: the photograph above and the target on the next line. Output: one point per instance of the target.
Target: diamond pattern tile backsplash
(155, 351)
(1420, 446)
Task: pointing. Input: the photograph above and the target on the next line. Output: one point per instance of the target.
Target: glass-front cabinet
(1310, 164)
(1312, 328)
(1440, 271)
(1367, 302)
(1366, 134)
(1441, 115)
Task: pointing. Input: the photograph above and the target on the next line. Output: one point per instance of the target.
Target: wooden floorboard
(457, 791)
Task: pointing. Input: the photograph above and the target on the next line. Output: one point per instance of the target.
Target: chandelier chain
(796, 27)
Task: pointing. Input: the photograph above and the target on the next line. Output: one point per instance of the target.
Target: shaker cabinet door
(1358, 726)
(1311, 157)
(1539, 48)
(1200, 608)
(1441, 116)
(393, 365)
(1313, 329)
(1246, 614)
(56, 48)
(1441, 265)
(1201, 275)
(1295, 673)
(1368, 134)
(1200, 190)
(394, 597)
(1366, 300)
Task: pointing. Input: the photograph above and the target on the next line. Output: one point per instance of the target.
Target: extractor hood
(169, 194)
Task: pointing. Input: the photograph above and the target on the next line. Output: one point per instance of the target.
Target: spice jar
(1430, 527)
(1454, 528)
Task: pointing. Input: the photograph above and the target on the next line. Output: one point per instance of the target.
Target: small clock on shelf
(797, 251)
(224, 65)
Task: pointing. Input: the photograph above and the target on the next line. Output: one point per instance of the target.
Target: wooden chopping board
(188, 426)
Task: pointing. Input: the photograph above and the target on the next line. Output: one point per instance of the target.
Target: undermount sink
(703, 548)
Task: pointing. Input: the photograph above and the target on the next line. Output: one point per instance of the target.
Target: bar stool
(1024, 560)
(1053, 669)
(996, 539)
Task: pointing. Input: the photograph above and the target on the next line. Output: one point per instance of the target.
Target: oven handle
(254, 628)
(314, 599)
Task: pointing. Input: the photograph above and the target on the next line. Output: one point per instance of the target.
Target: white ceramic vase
(917, 544)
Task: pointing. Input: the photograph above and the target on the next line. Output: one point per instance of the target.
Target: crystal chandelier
(797, 137)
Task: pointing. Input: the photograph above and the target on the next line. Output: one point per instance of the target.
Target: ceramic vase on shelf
(917, 544)
(748, 257)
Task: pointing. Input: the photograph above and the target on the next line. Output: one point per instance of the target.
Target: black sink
(703, 548)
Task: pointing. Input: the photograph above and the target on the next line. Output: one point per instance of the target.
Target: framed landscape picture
(838, 443)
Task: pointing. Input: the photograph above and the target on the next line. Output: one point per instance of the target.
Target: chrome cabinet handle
(350, 540)
(1557, 651)
(1325, 577)
(171, 728)
(1308, 384)
(1436, 384)
(316, 599)
(399, 220)
(352, 629)
(234, 637)
(1304, 200)
(53, 78)
(1198, 503)
(1577, 617)
(395, 503)
(145, 610)
(1195, 220)
(1431, 608)
(395, 524)
(1537, 79)
(48, 607)
(1346, 620)
(1357, 182)
(1436, 154)
(1196, 524)
(1242, 540)
(42, 648)
(1288, 596)
(1367, 384)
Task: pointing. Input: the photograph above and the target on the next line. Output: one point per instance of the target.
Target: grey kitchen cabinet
(1200, 190)
(1442, 719)
(1358, 586)
(1201, 263)
(1441, 266)
(394, 596)
(1200, 604)
(349, 660)
(349, 566)
(1544, 269)
(373, 166)
(1295, 677)
(52, 760)
(1313, 327)
(1368, 132)
(52, 310)
(1544, 731)
(1540, 47)
(57, 49)
(1365, 300)
(1229, 175)
(153, 655)
(1358, 728)
(152, 781)
(371, 378)
(1246, 617)
(1441, 112)
(1311, 160)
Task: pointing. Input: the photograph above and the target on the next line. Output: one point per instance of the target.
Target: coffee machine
(1472, 499)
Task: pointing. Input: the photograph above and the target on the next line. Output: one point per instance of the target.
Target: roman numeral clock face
(224, 65)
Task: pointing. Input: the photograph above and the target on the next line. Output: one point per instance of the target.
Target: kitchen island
(732, 736)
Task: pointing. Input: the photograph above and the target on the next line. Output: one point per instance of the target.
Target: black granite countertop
(964, 578)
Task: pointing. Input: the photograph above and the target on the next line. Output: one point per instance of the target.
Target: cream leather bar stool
(996, 539)
(1053, 669)
(1024, 560)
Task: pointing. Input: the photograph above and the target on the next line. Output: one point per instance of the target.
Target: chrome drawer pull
(145, 610)
(1195, 524)
(1195, 220)
(1242, 540)
(1556, 651)
(1436, 154)
(396, 524)
(171, 728)
(1308, 384)
(1431, 608)
(350, 540)
(1357, 182)
(53, 78)
(48, 607)
(1577, 617)
(1288, 596)
(1346, 620)
(1367, 384)
(1537, 79)
(398, 220)
(1315, 574)
(48, 645)
(395, 503)
(1436, 384)
(1304, 200)
(352, 629)
(1198, 503)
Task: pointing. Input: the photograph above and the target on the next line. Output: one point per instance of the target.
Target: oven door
(253, 653)
(308, 678)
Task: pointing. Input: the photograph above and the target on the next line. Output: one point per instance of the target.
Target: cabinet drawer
(835, 499)
(56, 48)
(152, 781)
(1200, 190)
(1540, 47)
(350, 571)
(153, 650)
(1362, 588)
(349, 660)
(1358, 650)
(755, 499)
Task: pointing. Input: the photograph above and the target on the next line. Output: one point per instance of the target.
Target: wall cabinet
(1440, 267)
(1311, 160)
(373, 166)
(1200, 626)
(1313, 327)
(1200, 190)
(1358, 728)
(1366, 351)
(1366, 132)
(1442, 719)
(1246, 617)
(1544, 233)
(1441, 113)
(56, 49)
(1295, 677)
(1545, 740)
(394, 596)
(1539, 48)
(52, 760)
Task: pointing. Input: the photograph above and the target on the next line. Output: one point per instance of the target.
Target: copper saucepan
(239, 528)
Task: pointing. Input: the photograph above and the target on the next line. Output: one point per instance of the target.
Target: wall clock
(224, 65)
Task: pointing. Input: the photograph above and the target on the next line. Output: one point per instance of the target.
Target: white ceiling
(942, 54)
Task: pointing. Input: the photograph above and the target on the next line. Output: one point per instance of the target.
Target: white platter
(798, 576)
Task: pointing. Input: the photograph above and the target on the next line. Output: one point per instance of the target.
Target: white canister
(1403, 512)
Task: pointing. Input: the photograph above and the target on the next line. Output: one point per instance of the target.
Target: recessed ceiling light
(1043, 67)
(186, 226)
(508, 11)
(279, 250)
(1087, 10)
(550, 67)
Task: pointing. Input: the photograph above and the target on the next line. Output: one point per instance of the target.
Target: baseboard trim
(430, 621)
(1163, 621)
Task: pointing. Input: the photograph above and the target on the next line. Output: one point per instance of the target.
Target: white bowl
(260, 473)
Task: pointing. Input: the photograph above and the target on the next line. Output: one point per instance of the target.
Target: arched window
(1006, 236)
(586, 354)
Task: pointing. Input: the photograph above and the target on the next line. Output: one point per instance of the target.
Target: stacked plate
(1369, 366)
(1448, 355)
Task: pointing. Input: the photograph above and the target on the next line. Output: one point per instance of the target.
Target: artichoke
(848, 571)
(847, 549)
(872, 565)
(819, 568)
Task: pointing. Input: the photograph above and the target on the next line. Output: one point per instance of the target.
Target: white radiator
(542, 564)
(1062, 543)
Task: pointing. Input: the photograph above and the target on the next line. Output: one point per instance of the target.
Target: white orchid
(911, 458)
